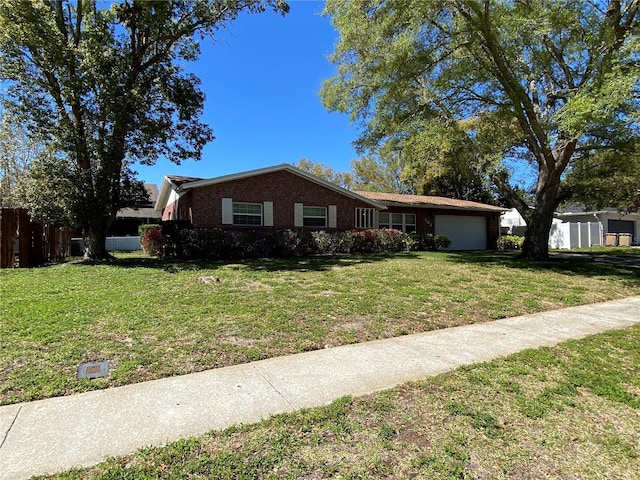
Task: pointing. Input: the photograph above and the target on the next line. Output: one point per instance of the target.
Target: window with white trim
(314, 216)
(365, 217)
(247, 214)
(405, 222)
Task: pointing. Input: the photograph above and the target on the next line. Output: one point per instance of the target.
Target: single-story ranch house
(285, 197)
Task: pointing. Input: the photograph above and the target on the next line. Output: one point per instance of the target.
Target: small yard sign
(93, 370)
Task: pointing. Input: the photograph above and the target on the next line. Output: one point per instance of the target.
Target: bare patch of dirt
(355, 323)
(239, 341)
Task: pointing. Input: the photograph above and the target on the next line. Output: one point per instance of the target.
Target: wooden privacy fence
(30, 243)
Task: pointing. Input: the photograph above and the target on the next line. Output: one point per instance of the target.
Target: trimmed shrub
(426, 241)
(184, 241)
(201, 243)
(151, 239)
(217, 243)
(510, 242)
(172, 231)
(377, 241)
(334, 243)
(295, 243)
(441, 241)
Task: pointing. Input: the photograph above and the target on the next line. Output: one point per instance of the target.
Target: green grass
(151, 319)
(610, 251)
(571, 411)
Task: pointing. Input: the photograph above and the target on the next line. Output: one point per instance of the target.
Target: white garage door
(466, 232)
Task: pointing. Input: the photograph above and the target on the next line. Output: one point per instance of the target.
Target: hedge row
(180, 239)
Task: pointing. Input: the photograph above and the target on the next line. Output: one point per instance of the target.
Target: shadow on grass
(311, 263)
(625, 271)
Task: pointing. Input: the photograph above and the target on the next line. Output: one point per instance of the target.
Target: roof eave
(444, 207)
(163, 194)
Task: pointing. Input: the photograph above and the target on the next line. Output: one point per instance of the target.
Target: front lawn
(150, 318)
(609, 251)
(567, 412)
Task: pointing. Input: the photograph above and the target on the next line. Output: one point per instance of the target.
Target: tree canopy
(337, 177)
(105, 86)
(608, 179)
(539, 83)
(17, 152)
(382, 173)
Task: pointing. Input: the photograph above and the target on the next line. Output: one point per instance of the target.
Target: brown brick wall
(282, 188)
(424, 217)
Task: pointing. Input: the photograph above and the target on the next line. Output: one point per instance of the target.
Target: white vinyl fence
(575, 235)
(121, 244)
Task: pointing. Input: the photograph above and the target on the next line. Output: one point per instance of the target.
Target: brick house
(285, 197)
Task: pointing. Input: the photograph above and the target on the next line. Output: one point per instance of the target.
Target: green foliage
(510, 242)
(427, 241)
(181, 240)
(342, 179)
(172, 232)
(607, 180)
(17, 151)
(385, 172)
(215, 243)
(105, 87)
(46, 190)
(377, 241)
(472, 91)
(331, 243)
(457, 159)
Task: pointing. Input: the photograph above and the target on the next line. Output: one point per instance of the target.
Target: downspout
(600, 228)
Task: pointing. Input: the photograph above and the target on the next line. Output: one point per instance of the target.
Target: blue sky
(262, 80)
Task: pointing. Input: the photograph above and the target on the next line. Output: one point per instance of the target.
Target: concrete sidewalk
(49, 436)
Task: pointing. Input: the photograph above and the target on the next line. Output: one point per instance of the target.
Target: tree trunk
(95, 242)
(536, 238)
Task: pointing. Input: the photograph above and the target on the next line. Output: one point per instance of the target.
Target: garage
(465, 231)
(621, 226)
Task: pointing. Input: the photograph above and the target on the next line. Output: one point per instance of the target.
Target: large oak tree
(540, 82)
(103, 83)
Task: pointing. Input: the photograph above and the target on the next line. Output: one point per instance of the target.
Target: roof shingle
(428, 201)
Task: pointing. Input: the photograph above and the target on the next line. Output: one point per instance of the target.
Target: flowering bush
(152, 239)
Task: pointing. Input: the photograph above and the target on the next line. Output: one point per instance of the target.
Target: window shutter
(267, 214)
(376, 219)
(298, 214)
(227, 211)
(333, 216)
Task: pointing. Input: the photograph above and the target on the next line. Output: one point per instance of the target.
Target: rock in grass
(207, 280)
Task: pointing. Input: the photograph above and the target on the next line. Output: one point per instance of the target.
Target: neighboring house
(284, 196)
(576, 227)
(123, 234)
(512, 223)
(129, 219)
(610, 221)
